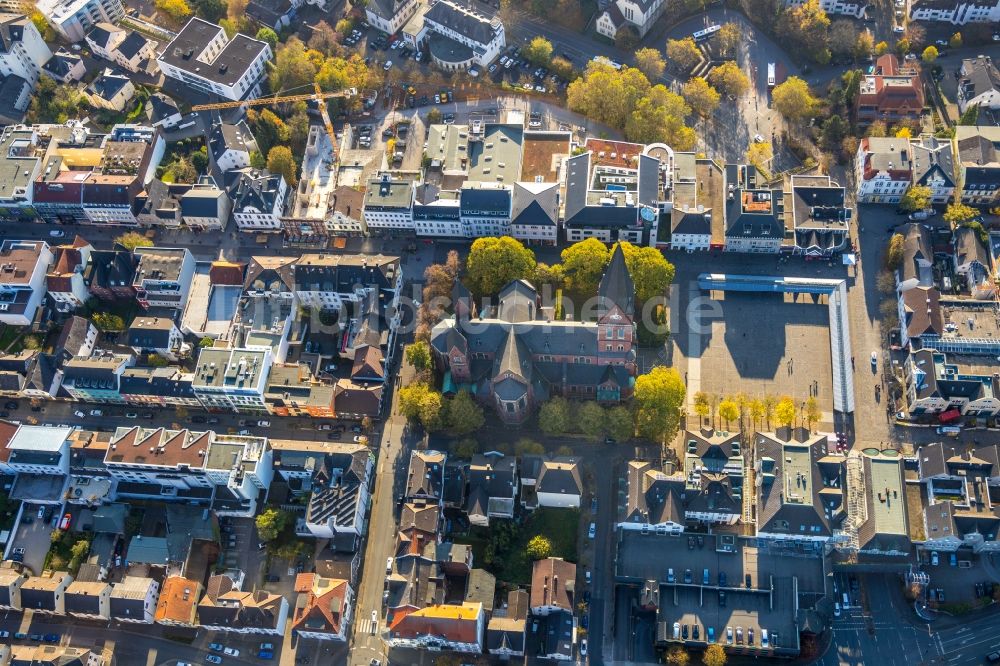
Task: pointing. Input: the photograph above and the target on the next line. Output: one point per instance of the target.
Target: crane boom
(261, 101)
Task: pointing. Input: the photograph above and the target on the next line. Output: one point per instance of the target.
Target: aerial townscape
(487, 332)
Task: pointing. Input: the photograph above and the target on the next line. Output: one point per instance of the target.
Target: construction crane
(319, 96)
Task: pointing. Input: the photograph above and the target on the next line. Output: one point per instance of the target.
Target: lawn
(501, 547)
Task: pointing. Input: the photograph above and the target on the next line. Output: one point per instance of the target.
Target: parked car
(215, 647)
(213, 658)
(934, 558)
(263, 423)
(583, 648)
(592, 531)
(96, 412)
(78, 414)
(231, 652)
(57, 233)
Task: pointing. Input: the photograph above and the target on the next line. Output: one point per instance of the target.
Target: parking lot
(34, 536)
(712, 582)
(763, 344)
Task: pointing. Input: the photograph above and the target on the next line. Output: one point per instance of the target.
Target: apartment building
(978, 164)
(23, 52)
(72, 19)
(96, 378)
(461, 36)
(259, 199)
(390, 15)
(233, 379)
(23, 266)
(324, 614)
(227, 608)
(156, 335)
(203, 57)
(133, 600)
(94, 179)
(22, 150)
(230, 145)
(891, 92)
(883, 169)
(388, 205)
(934, 167)
(163, 276)
(956, 12)
(64, 280)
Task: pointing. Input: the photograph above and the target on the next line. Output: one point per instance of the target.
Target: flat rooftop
(970, 319)
(885, 484)
(643, 557)
(209, 310)
(159, 264)
(187, 52)
(542, 156)
(232, 368)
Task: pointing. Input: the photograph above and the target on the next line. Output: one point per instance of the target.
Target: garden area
(67, 551)
(503, 547)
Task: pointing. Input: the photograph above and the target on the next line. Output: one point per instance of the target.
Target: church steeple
(617, 287)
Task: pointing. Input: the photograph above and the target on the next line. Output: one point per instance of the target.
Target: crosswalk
(366, 626)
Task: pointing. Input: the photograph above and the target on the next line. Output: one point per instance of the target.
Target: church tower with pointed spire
(616, 310)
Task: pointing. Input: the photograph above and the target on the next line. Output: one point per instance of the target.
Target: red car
(64, 525)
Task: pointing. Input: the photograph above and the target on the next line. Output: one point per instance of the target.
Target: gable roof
(560, 477)
(616, 286)
(553, 581)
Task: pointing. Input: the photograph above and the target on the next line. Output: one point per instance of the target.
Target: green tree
(590, 419)
(700, 96)
(280, 160)
(785, 411)
(894, 254)
(881, 48)
(658, 398)
(418, 355)
(757, 411)
(156, 361)
(971, 115)
(210, 10)
(539, 547)
(917, 197)
(759, 154)
(714, 655)
(728, 38)
(464, 415)
(270, 523)
(650, 62)
(292, 67)
(806, 29)
(955, 41)
(553, 275)
(701, 404)
(729, 79)
(651, 272)
(678, 656)
(176, 10)
(813, 412)
(728, 411)
(683, 53)
(621, 426)
(199, 160)
(53, 102)
(528, 447)
(834, 131)
(494, 262)
(607, 95)
(268, 35)
(130, 240)
(206, 342)
(864, 45)
(107, 322)
(659, 116)
(903, 46)
(555, 417)
(182, 170)
(793, 100)
(465, 449)
(843, 38)
(419, 402)
(929, 55)
(538, 51)
(626, 38)
(583, 265)
(257, 160)
(959, 213)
